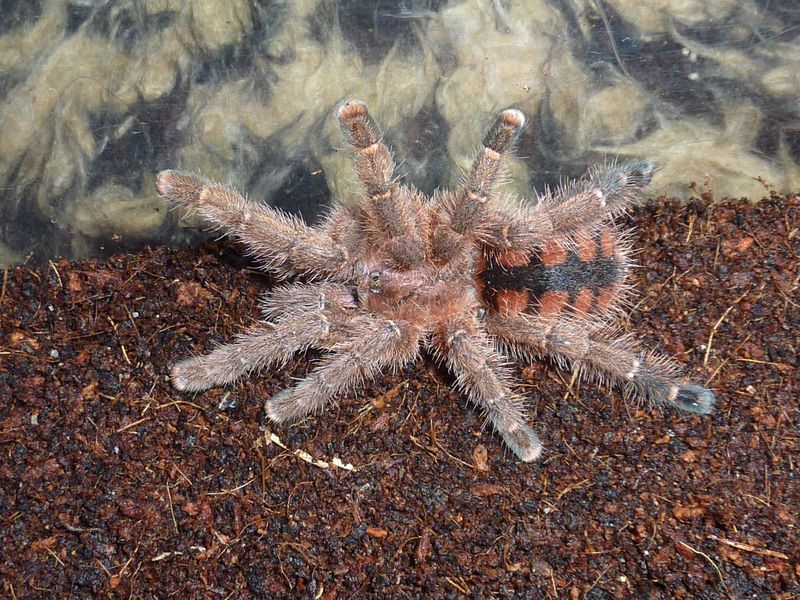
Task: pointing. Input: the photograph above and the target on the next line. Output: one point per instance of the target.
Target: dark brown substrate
(114, 484)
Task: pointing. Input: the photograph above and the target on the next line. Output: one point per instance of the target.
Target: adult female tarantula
(463, 273)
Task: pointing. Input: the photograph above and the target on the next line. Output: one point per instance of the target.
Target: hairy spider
(472, 277)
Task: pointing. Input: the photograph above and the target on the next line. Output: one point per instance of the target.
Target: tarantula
(471, 277)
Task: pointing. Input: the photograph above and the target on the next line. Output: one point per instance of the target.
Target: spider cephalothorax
(465, 274)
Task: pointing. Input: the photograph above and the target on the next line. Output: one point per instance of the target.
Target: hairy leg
(392, 210)
(374, 344)
(606, 192)
(476, 191)
(463, 212)
(334, 300)
(305, 316)
(481, 373)
(283, 242)
(645, 375)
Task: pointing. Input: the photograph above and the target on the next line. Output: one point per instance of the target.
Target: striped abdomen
(584, 276)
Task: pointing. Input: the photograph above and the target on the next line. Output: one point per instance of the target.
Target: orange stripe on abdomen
(583, 302)
(511, 302)
(551, 303)
(582, 275)
(552, 253)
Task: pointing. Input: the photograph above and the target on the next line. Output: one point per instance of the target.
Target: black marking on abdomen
(570, 276)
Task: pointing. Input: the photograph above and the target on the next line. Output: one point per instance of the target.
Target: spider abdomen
(583, 274)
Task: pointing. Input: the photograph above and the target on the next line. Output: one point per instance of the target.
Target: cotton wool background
(96, 98)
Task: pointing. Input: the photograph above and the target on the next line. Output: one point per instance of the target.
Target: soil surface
(116, 485)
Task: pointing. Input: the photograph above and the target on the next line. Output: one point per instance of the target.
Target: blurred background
(97, 96)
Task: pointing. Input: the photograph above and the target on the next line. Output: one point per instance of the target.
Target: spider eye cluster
(375, 282)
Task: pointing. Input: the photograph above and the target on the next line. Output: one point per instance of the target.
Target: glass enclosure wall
(97, 97)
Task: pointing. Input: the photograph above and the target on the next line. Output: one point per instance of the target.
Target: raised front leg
(481, 372)
(392, 211)
(466, 214)
(479, 183)
(643, 375)
(283, 243)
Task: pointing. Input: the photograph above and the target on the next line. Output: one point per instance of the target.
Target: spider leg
(487, 166)
(284, 243)
(606, 192)
(645, 375)
(374, 343)
(619, 184)
(392, 211)
(481, 372)
(319, 316)
(333, 300)
(469, 211)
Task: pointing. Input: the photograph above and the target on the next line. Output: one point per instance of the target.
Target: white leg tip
(530, 454)
(522, 441)
(179, 381)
